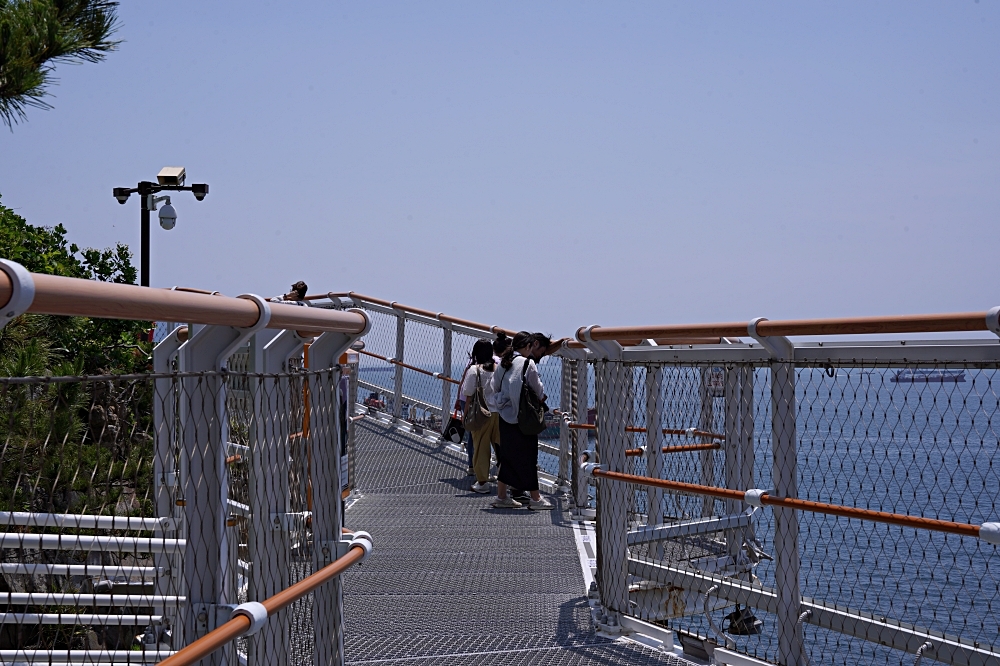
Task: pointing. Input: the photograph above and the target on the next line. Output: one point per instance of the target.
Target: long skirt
(518, 457)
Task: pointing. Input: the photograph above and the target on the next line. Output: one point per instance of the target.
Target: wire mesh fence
(790, 585)
(424, 360)
(136, 511)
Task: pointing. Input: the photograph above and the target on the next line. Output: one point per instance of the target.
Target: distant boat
(910, 375)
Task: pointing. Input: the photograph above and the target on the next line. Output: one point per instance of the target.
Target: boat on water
(911, 375)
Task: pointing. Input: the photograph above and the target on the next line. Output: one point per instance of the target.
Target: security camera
(168, 216)
(171, 176)
(199, 190)
(122, 194)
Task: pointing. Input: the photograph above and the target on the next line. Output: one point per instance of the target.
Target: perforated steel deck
(452, 580)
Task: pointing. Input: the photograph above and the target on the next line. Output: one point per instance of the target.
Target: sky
(544, 165)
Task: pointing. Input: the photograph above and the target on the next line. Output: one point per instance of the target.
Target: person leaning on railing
(297, 295)
(518, 452)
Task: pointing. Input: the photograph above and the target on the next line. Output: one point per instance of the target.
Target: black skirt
(518, 457)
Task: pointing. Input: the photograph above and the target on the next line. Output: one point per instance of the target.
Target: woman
(518, 452)
(480, 376)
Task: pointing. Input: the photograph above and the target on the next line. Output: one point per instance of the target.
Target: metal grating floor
(453, 581)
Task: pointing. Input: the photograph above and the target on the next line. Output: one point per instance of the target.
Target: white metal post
(654, 447)
(566, 407)
(269, 541)
(206, 563)
(786, 529)
(580, 437)
(613, 500)
(324, 445)
(397, 401)
(732, 453)
(352, 427)
(746, 443)
(165, 472)
(445, 372)
(705, 422)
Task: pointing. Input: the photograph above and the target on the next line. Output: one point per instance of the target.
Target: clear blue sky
(545, 165)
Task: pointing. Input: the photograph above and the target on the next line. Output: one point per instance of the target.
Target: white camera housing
(168, 216)
(171, 176)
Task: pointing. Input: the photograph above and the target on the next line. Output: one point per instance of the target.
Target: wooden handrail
(917, 522)
(409, 367)
(666, 431)
(930, 323)
(56, 295)
(683, 448)
(414, 310)
(240, 624)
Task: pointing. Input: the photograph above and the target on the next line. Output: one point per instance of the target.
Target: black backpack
(531, 411)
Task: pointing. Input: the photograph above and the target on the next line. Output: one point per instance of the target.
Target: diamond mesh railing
(786, 502)
(421, 358)
(139, 513)
(841, 506)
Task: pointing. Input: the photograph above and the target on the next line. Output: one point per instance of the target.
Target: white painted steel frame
(613, 500)
(654, 447)
(660, 531)
(80, 599)
(88, 543)
(457, 328)
(844, 620)
(84, 521)
(104, 619)
(903, 353)
(397, 403)
(57, 657)
(107, 570)
(784, 438)
(426, 406)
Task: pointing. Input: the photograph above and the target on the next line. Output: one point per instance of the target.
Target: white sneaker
(541, 505)
(481, 488)
(506, 503)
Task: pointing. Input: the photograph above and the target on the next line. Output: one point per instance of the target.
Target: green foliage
(88, 346)
(37, 34)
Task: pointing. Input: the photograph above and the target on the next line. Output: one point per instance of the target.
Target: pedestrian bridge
(452, 580)
(277, 490)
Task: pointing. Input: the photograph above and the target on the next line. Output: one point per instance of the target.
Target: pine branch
(37, 34)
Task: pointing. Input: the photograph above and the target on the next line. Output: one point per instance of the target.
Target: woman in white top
(480, 375)
(518, 453)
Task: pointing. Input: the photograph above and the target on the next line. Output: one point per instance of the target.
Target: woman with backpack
(518, 450)
(480, 418)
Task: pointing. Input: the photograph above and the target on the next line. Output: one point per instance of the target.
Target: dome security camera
(168, 216)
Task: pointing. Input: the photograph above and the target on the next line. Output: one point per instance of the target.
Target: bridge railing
(412, 364)
(163, 503)
(832, 502)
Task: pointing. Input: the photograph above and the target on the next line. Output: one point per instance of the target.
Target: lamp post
(169, 178)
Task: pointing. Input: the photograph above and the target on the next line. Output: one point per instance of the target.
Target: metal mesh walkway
(454, 581)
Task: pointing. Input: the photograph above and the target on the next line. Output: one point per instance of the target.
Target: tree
(37, 34)
(68, 345)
